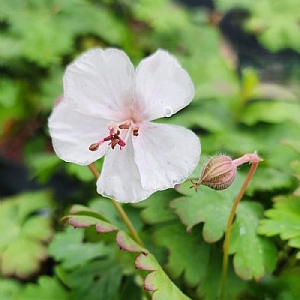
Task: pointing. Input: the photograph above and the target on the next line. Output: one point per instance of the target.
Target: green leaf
(249, 82)
(275, 91)
(198, 262)
(81, 173)
(188, 254)
(9, 93)
(283, 220)
(51, 88)
(99, 20)
(196, 115)
(11, 101)
(209, 287)
(157, 280)
(34, 25)
(43, 165)
(213, 77)
(10, 48)
(254, 255)
(208, 206)
(162, 15)
(271, 112)
(294, 143)
(24, 224)
(225, 5)
(277, 23)
(296, 167)
(48, 288)
(270, 179)
(35, 28)
(290, 279)
(68, 248)
(213, 209)
(101, 278)
(9, 289)
(105, 209)
(156, 208)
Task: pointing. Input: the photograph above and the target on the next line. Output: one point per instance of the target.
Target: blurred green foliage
(235, 111)
(25, 224)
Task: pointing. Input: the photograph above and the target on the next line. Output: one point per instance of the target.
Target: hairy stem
(254, 160)
(120, 210)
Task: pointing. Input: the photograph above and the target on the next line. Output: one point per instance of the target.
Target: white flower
(107, 109)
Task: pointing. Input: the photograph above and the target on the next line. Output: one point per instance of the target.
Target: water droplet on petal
(168, 112)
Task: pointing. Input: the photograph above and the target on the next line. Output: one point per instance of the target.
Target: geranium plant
(102, 90)
(102, 193)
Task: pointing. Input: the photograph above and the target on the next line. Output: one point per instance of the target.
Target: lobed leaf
(283, 220)
(157, 281)
(277, 23)
(210, 285)
(163, 15)
(25, 228)
(156, 208)
(196, 261)
(188, 253)
(48, 288)
(101, 278)
(208, 206)
(68, 248)
(254, 255)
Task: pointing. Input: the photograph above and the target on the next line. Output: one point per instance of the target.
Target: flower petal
(120, 177)
(165, 155)
(163, 87)
(100, 83)
(72, 133)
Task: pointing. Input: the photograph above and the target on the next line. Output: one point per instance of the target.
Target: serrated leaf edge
(132, 246)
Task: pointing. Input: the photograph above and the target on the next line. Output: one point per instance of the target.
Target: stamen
(113, 143)
(108, 138)
(124, 126)
(135, 131)
(94, 147)
(114, 135)
(121, 143)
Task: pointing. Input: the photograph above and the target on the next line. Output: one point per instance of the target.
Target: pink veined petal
(165, 155)
(72, 133)
(163, 87)
(120, 177)
(100, 83)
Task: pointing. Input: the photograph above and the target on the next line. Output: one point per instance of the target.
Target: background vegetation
(243, 57)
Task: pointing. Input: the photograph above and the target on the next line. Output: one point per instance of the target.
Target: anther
(94, 147)
(114, 143)
(124, 126)
(135, 131)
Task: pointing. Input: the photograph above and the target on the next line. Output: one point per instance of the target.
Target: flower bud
(218, 173)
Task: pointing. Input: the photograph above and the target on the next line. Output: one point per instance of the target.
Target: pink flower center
(114, 136)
